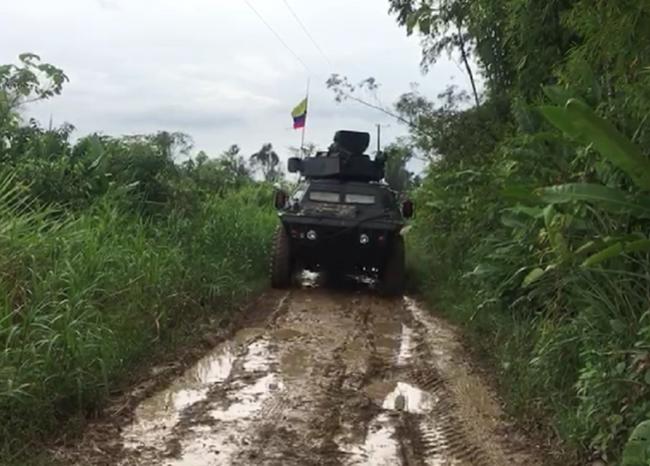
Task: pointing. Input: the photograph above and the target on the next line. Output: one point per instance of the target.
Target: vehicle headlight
(364, 239)
(311, 235)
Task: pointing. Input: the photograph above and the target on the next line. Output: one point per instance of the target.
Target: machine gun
(345, 160)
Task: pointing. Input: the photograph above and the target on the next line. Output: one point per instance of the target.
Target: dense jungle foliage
(107, 245)
(536, 199)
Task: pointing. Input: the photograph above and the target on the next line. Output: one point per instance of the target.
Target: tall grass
(86, 295)
(571, 352)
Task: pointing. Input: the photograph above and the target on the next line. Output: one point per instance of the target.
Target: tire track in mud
(437, 436)
(414, 425)
(315, 395)
(341, 378)
(464, 427)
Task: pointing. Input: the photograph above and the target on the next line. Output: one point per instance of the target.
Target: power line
(270, 28)
(385, 111)
(307, 33)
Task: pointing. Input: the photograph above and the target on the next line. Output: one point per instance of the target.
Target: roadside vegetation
(532, 228)
(108, 244)
(532, 224)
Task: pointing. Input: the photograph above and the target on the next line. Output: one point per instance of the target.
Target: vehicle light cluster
(312, 235)
(365, 238)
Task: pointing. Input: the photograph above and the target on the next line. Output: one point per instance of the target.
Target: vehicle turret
(344, 160)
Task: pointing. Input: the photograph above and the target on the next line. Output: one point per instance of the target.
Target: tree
(172, 145)
(397, 176)
(201, 158)
(343, 90)
(444, 26)
(21, 84)
(235, 168)
(266, 160)
(29, 82)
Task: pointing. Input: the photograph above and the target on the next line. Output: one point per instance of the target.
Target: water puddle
(295, 363)
(380, 446)
(400, 396)
(258, 358)
(204, 449)
(248, 399)
(410, 399)
(406, 347)
(386, 330)
(224, 431)
(287, 334)
(156, 416)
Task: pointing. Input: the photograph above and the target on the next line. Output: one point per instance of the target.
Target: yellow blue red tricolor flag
(299, 115)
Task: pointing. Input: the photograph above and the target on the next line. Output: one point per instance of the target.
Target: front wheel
(281, 259)
(392, 276)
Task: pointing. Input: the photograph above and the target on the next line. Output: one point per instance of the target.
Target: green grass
(572, 363)
(87, 295)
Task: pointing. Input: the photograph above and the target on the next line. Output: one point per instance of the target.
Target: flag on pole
(299, 115)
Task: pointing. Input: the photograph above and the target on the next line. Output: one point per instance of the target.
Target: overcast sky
(211, 68)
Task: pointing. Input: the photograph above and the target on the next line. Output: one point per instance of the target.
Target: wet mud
(331, 377)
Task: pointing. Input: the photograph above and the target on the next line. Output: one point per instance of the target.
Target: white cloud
(212, 69)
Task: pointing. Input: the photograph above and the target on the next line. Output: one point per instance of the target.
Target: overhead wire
(277, 35)
(307, 33)
(378, 107)
(315, 43)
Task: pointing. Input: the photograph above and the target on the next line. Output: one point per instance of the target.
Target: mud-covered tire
(281, 260)
(394, 271)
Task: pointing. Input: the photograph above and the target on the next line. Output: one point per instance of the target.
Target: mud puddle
(331, 378)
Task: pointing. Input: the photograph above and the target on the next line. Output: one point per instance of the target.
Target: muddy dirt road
(327, 378)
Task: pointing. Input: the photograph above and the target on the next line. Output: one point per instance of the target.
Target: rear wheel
(281, 260)
(392, 277)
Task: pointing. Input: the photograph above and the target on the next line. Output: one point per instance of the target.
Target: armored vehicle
(342, 219)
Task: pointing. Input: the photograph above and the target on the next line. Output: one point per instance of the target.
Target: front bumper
(340, 243)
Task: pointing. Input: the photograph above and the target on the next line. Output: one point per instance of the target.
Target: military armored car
(342, 219)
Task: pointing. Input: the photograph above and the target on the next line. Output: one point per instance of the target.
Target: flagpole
(304, 127)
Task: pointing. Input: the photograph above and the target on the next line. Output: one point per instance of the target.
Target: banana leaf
(610, 199)
(637, 449)
(598, 244)
(642, 245)
(581, 123)
(532, 277)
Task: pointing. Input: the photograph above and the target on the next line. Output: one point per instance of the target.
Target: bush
(87, 294)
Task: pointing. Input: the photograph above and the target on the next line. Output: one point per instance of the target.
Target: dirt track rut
(327, 378)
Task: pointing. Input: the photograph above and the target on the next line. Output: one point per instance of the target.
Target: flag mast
(302, 138)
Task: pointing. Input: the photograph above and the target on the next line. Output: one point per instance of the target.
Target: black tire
(392, 277)
(281, 269)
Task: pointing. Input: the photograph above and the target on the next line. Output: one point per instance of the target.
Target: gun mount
(344, 160)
